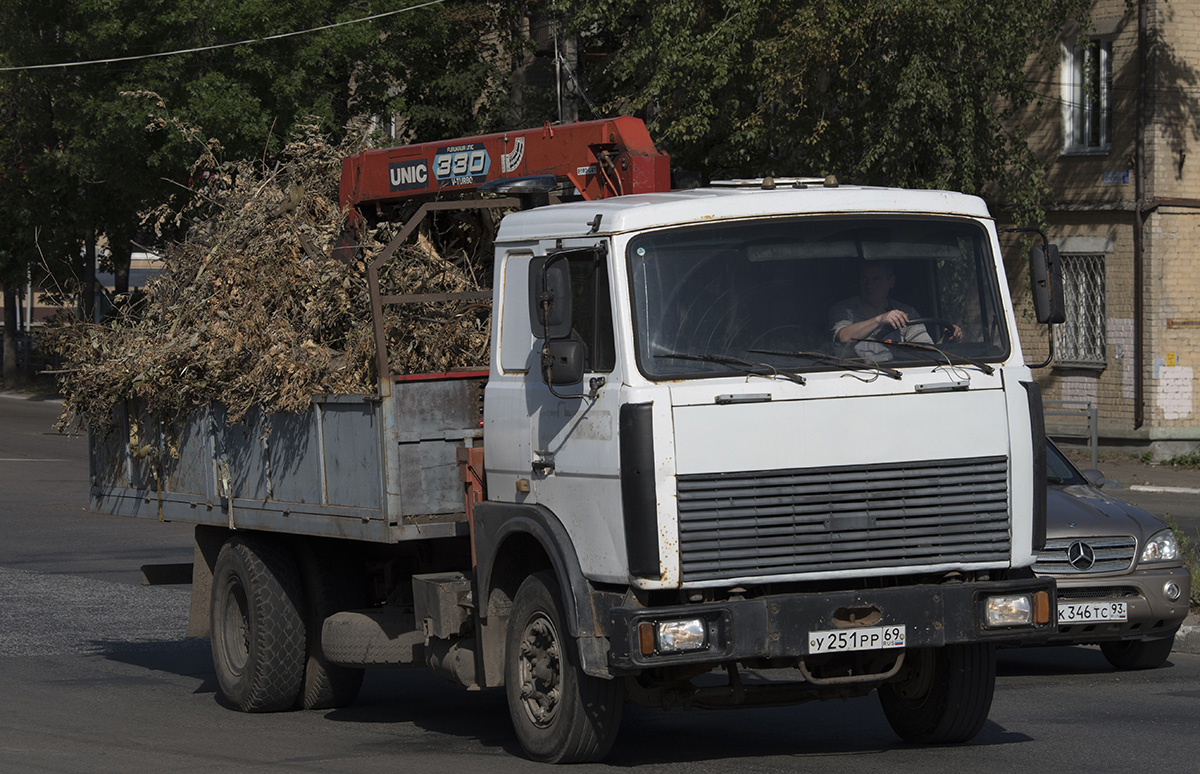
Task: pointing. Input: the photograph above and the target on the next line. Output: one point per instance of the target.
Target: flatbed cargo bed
(316, 473)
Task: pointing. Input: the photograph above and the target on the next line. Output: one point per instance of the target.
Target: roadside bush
(1190, 460)
(1190, 553)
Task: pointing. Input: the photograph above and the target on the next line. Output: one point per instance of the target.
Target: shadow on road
(187, 658)
(1055, 660)
(855, 728)
(648, 736)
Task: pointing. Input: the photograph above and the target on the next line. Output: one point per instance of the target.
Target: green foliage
(910, 93)
(1190, 554)
(75, 152)
(1190, 460)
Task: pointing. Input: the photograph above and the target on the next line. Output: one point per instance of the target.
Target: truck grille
(1098, 554)
(781, 522)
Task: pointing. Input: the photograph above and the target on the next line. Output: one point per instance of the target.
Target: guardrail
(1074, 422)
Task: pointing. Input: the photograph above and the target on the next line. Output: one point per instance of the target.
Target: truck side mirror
(566, 362)
(550, 297)
(1045, 274)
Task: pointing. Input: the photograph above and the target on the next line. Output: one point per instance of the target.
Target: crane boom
(603, 158)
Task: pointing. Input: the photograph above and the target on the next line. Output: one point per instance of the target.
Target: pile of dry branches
(251, 309)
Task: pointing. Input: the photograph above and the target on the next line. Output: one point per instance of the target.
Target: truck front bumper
(780, 626)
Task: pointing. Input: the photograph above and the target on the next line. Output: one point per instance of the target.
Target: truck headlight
(1009, 610)
(1161, 548)
(672, 636)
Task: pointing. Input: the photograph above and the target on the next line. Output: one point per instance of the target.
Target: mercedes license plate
(867, 638)
(1091, 612)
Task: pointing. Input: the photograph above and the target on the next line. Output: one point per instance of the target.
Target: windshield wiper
(821, 357)
(745, 366)
(950, 358)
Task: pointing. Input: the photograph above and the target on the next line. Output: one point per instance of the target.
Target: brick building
(1131, 348)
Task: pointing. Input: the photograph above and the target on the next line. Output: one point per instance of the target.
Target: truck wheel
(1138, 654)
(257, 626)
(942, 695)
(560, 713)
(329, 587)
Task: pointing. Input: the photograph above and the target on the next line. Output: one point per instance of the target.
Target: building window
(1087, 90)
(1080, 340)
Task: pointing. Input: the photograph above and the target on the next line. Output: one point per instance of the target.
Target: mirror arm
(1050, 343)
(1049, 326)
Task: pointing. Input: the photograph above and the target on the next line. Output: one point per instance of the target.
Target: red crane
(604, 158)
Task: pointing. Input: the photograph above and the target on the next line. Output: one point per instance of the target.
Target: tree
(916, 93)
(29, 198)
(85, 128)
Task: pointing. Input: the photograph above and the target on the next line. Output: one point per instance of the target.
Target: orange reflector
(646, 637)
(1041, 607)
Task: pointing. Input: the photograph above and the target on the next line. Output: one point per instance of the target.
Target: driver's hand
(954, 334)
(894, 317)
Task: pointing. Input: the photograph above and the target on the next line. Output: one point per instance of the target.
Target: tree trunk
(121, 253)
(12, 374)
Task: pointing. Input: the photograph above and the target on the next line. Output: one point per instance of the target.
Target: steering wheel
(886, 332)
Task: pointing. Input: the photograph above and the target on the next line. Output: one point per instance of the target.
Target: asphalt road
(96, 676)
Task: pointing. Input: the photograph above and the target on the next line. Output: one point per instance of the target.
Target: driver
(874, 310)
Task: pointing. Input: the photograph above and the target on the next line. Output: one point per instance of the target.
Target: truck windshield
(779, 292)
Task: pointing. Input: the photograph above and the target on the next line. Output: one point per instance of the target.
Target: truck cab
(707, 320)
(670, 404)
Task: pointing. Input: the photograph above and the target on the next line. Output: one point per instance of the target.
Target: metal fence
(1073, 424)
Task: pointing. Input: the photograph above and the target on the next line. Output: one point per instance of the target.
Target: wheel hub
(541, 670)
(236, 630)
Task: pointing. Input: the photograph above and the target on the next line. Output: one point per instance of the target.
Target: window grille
(1081, 339)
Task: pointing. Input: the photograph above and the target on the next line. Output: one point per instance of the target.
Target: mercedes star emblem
(1081, 556)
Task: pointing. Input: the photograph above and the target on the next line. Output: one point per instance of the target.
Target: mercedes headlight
(1161, 548)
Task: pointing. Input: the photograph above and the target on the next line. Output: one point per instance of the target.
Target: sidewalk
(1139, 476)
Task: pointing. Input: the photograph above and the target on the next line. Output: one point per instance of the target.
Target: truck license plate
(869, 638)
(1091, 612)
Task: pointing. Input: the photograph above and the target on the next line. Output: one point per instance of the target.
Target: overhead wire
(215, 46)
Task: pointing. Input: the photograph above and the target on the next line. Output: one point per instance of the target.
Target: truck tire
(942, 695)
(1138, 654)
(329, 587)
(560, 713)
(258, 642)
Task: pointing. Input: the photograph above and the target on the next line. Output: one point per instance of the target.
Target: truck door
(574, 461)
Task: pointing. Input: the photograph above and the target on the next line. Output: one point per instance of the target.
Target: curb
(1164, 489)
(29, 396)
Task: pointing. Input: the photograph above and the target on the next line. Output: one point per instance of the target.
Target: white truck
(672, 487)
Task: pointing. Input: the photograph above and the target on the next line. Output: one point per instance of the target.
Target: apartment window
(1080, 340)
(1087, 93)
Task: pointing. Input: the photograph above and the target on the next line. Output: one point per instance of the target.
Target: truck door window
(591, 302)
